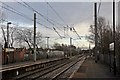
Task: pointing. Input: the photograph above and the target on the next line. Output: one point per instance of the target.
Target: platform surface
(89, 69)
(25, 63)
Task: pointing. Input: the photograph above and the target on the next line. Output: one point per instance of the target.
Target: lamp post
(70, 46)
(47, 42)
(8, 34)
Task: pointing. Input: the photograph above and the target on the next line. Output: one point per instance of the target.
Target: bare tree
(3, 34)
(104, 36)
(103, 30)
(26, 35)
(91, 37)
(11, 35)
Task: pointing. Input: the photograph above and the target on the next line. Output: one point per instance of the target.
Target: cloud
(78, 13)
(82, 28)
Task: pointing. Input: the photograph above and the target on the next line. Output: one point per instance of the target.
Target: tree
(27, 36)
(101, 25)
(66, 48)
(5, 40)
(57, 46)
(91, 37)
(104, 34)
(11, 35)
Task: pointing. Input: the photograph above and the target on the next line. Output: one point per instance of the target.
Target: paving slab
(90, 69)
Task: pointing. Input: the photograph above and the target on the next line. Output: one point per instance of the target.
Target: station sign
(111, 46)
(9, 49)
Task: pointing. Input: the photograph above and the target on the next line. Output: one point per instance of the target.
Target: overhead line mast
(96, 38)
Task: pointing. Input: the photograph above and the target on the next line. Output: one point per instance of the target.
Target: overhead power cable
(76, 33)
(46, 18)
(21, 14)
(99, 7)
(15, 11)
(56, 13)
(24, 16)
(57, 32)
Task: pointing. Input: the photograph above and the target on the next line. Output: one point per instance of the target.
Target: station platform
(25, 63)
(15, 65)
(91, 70)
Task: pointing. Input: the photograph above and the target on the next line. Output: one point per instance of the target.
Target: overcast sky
(75, 14)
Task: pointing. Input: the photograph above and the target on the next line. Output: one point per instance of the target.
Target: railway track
(52, 71)
(64, 71)
(42, 69)
(69, 70)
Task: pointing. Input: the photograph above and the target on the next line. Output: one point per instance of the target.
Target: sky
(79, 15)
